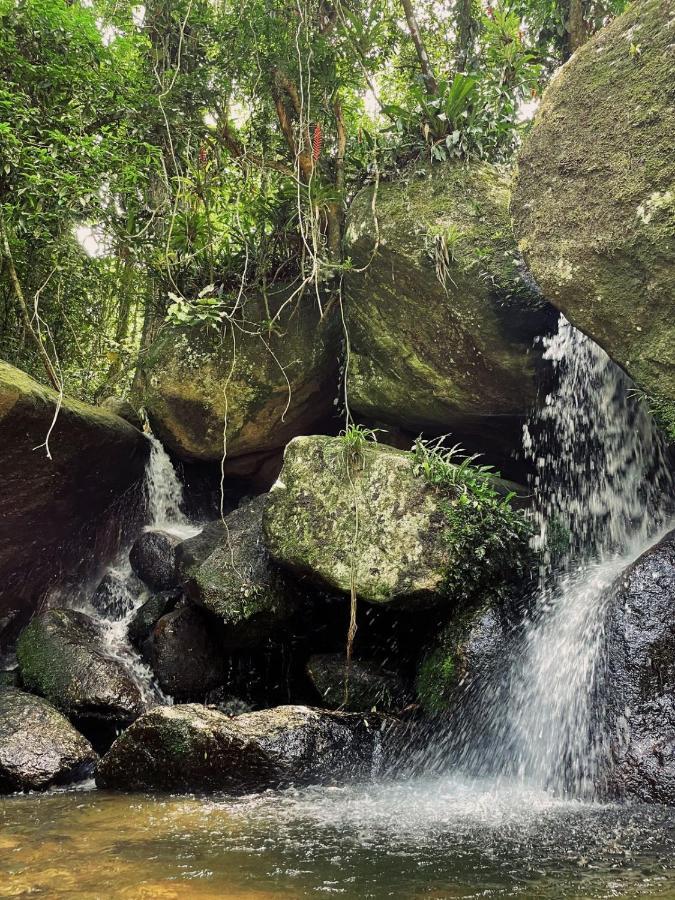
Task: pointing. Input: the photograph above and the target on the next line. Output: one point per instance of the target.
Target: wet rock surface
(62, 656)
(185, 651)
(638, 688)
(56, 511)
(192, 747)
(369, 686)
(112, 599)
(153, 559)
(38, 746)
(149, 613)
(227, 570)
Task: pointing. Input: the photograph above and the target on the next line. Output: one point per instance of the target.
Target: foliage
(354, 439)
(488, 536)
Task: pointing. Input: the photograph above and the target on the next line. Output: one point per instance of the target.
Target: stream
(509, 813)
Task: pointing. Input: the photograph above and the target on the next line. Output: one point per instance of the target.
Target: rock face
(124, 410)
(227, 570)
(38, 746)
(445, 242)
(465, 663)
(639, 685)
(153, 559)
(54, 510)
(62, 657)
(369, 686)
(112, 598)
(368, 521)
(594, 202)
(185, 748)
(186, 654)
(190, 381)
(146, 616)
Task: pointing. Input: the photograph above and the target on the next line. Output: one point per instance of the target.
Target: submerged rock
(442, 317)
(369, 685)
(639, 685)
(185, 651)
(227, 570)
(268, 387)
(367, 520)
(153, 559)
(186, 748)
(55, 509)
(112, 599)
(62, 657)
(594, 202)
(38, 746)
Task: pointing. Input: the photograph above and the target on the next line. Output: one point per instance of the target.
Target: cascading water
(601, 492)
(163, 490)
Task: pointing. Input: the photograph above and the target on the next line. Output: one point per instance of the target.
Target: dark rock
(10, 678)
(227, 570)
(147, 615)
(222, 699)
(124, 410)
(186, 654)
(57, 512)
(38, 746)
(370, 686)
(639, 684)
(186, 748)
(112, 598)
(62, 656)
(153, 559)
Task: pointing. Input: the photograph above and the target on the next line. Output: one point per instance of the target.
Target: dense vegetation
(160, 162)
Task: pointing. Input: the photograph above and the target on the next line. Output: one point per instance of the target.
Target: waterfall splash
(601, 492)
(163, 490)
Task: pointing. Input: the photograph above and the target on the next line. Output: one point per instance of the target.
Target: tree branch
(428, 76)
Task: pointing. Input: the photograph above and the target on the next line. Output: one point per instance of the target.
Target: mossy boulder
(369, 685)
(442, 317)
(192, 747)
(269, 386)
(53, 510)
(467, 655)
(227, 570)
(38, 746)
(363, 518)
(594, 201)
(63, 657)
(153, 559)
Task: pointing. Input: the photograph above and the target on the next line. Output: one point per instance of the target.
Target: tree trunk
(428, 76)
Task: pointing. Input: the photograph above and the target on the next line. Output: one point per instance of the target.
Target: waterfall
(163, 490)
(601, 490)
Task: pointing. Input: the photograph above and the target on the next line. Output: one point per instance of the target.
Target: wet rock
(465, 663)
(185, 651)
(371, 521)
(55, 512)
(227, 570)
(153, 559)
(112, 598)
(10, 678)
(268, 387)
(639, 685)
(38, 746)
(224, 701)
(467, 364)
(594, 202)
(369, 685)
(147, 615)
(62, 656)
(124, 410)
(191, 747)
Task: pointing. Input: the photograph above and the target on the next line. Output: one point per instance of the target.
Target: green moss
(437, 679)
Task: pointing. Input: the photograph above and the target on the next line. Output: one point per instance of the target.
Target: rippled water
(424, 838)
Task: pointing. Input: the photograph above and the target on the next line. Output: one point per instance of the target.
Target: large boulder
(362, 686)
(367, 520)
(192, 747)
(52, 510)
(227, 570)
(153, 559)
(440, 311)
(112, 599)
(638, 687)
(594, 202)
(62, 656)
(38, 746)
(268, 387)
(185, 651)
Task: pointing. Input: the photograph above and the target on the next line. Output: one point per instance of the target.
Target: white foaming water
(601, 490)
(164, 492)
